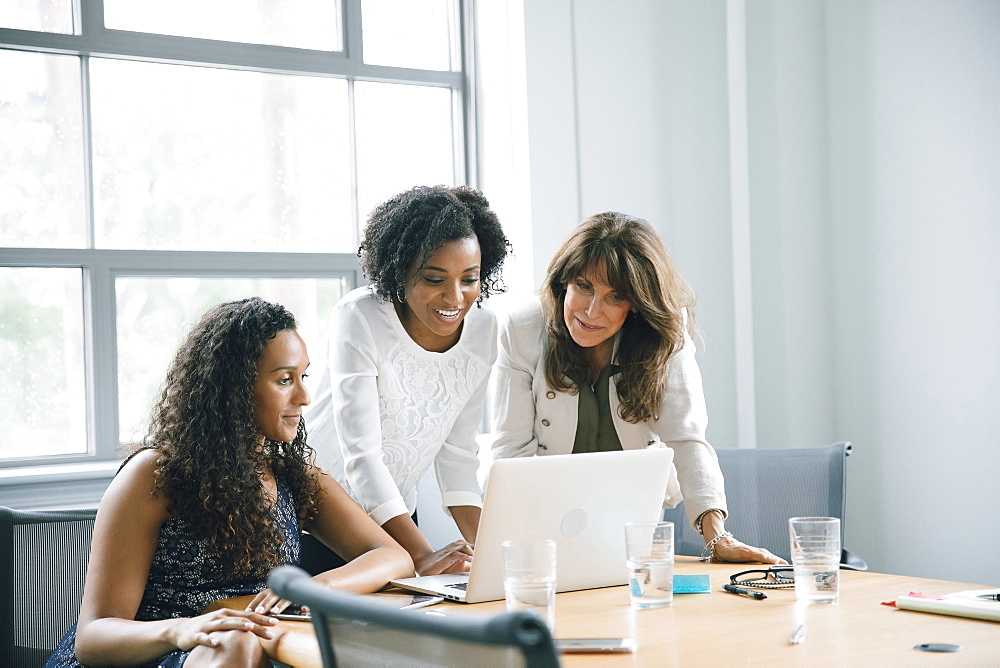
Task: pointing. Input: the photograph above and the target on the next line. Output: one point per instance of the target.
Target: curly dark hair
(404, 231)
(208, 444)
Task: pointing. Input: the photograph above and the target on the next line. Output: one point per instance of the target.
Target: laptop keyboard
(458, 585)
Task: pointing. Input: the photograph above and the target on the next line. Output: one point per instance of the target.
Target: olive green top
(595, 428)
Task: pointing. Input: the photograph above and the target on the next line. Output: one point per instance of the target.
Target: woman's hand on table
(267, 602)
(193, 631)
(731, 550)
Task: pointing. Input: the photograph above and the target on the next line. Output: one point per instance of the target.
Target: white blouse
(386, 409)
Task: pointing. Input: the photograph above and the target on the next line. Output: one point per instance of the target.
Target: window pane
(41, 361)
(409, 33)
(198, 158)
(155, 313)
(398, 150)
(40, 15)
(42, 200)
(305, 24)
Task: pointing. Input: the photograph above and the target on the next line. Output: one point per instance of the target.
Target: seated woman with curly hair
(409, 361)
(213, 501)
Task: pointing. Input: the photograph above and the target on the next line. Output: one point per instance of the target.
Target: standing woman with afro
(213, 501)
(409, 360)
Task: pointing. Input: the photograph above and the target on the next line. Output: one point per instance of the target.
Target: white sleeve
(457, 463)
(354, 377)
(513, 402)
(681, 425)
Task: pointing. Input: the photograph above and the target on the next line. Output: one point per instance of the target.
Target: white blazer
(531, 418)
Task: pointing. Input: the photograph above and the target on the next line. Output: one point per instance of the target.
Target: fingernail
(261, 609)
(267, 634)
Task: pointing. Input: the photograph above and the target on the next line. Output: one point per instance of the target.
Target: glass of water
(815, 543)
(649, 549)
(529, 581)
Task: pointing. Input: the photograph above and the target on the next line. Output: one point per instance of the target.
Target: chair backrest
(358, 631)
(43, 564)
(764, 487)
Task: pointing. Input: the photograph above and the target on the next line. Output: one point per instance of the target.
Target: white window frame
(72, 480)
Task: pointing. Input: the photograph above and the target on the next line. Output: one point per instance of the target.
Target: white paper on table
(959, 604)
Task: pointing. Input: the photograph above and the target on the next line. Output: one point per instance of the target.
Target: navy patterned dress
(185, 577)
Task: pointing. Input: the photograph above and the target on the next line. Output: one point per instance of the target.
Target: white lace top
(386, 409)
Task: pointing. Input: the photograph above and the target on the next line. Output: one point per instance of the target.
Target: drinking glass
(815, 543)
(529, 581)
(649, 549)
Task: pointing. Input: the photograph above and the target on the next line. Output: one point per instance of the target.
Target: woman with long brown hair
(604, 360)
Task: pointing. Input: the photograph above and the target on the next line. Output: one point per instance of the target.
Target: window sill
(58, 486)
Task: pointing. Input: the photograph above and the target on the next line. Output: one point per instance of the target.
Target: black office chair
(764, 487)
(43, 564)
(357, 631)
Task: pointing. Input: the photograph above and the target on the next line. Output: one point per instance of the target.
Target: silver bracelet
(701, 518)
(708, 554)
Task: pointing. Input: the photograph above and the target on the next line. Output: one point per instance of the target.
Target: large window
(160, 157)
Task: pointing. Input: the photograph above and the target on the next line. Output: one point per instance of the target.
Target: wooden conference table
(722, 629)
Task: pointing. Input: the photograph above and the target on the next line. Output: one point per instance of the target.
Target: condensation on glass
(42, 202)
(195, 158)
(303, 24)
(399, 150)
(38, 15)
(192, 158)
(154, 314)
(42, 398)
(420, 34)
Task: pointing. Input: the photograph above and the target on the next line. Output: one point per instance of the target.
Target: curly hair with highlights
(203, 428)
(403, 232)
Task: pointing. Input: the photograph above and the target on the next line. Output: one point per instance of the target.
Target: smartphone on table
(294, 613)
(595, 645)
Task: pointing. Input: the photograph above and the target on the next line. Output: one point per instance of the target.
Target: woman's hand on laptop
(455, 557)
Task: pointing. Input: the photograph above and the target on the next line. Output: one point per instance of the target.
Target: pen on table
(740, 591)
(434, 600)
(799, 635)
(990, 597)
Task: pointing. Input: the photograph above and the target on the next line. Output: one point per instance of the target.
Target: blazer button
(550, 395)
(545, 423)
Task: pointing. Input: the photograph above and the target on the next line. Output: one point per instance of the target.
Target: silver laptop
(581, 501)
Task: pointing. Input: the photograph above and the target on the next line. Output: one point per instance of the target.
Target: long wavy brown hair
(210, 458)
(638, 267)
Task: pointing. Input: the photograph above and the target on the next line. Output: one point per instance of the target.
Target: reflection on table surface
(719, 628)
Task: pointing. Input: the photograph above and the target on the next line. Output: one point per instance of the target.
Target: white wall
(874, 180)
(915, 194)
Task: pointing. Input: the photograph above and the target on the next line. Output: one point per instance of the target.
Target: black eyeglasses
(773, 577)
